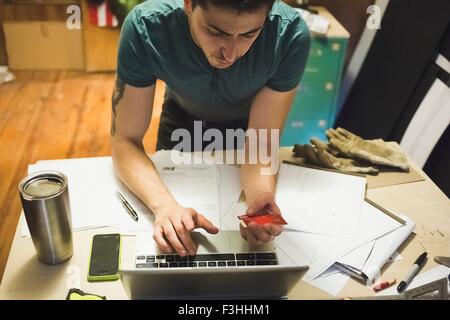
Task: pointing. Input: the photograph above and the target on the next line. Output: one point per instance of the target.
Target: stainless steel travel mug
(46, 205)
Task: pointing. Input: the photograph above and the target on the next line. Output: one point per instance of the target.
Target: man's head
(226, 29)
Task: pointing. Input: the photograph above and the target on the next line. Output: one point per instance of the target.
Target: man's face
(223, 34)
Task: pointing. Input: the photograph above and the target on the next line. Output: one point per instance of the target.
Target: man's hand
(173, 226)
(257, 234)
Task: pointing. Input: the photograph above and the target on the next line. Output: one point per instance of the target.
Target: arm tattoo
(116, 97)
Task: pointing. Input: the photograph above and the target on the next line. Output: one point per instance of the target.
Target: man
(230, 63)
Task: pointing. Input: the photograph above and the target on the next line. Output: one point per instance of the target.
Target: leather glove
(322, 155)
(374, 151)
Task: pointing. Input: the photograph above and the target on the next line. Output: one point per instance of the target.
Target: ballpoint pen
(127, 206)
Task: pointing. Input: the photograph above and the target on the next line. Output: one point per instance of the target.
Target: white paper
(358, 257)
(328, 249)
(320, 201)
(385, 247)
(395, 257)
(229, 219)
(298, 254)
(194, 186)
(229, 187)
(332, 282)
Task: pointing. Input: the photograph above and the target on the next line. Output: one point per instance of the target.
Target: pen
(418, 264)
(383, 285)
(127, 206)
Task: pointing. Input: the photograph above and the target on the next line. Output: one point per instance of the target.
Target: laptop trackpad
(227, 241)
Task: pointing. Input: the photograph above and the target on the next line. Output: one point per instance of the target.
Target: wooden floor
(52, 115)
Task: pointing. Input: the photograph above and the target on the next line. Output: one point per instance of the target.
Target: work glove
(323, 155)
(374, 151)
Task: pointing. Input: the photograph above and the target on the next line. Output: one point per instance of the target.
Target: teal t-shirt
(156, 43)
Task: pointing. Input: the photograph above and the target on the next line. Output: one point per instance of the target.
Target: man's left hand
(257, 234)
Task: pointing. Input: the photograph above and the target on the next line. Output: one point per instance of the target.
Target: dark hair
(238, 5)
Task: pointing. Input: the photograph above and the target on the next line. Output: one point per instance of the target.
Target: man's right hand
(173, 227)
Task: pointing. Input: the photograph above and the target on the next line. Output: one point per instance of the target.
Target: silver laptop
(225, 266)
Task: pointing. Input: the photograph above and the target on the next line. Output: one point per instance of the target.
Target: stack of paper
(329, 220)
(319, 201)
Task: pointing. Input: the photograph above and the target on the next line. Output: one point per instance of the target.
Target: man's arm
(269, 111)
(131, 115)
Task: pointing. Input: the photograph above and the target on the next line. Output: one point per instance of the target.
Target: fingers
(312, 155)
(329, 134)
(346, 133)
(307, 152)
(188, 222)
(273, 229)
(173, 232)
(260, 232)
(333, 150)
(185, 236)
(251, 237)
(318, 143)
(333, 134)
(162, 243)
(273, 208)
(342, 147)
(321, 147)
(326, 158)
(370, 170)
(257, 234)
(243, 230)
(202, 222)
(260, 203)
(172, 237)
(299, 150)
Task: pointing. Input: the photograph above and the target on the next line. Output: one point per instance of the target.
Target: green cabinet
(314, 107)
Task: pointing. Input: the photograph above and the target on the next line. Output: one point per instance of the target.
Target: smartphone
(105, 257)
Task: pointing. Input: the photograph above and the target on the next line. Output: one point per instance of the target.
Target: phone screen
(105, 255)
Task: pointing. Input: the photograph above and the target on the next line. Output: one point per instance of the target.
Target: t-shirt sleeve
(293, 58)
(133, 64)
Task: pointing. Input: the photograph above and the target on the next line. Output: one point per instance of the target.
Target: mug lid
(43, 184)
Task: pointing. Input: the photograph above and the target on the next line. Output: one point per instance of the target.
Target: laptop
(225, 266)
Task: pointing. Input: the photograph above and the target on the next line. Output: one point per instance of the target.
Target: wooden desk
(423, 202)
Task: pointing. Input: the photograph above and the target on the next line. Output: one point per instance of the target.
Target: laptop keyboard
(207, 260)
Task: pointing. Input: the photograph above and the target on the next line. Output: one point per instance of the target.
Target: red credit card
(263, 219)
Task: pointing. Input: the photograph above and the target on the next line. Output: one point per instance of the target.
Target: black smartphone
(105, 257)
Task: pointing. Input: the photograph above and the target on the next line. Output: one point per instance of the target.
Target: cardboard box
(43, 45)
